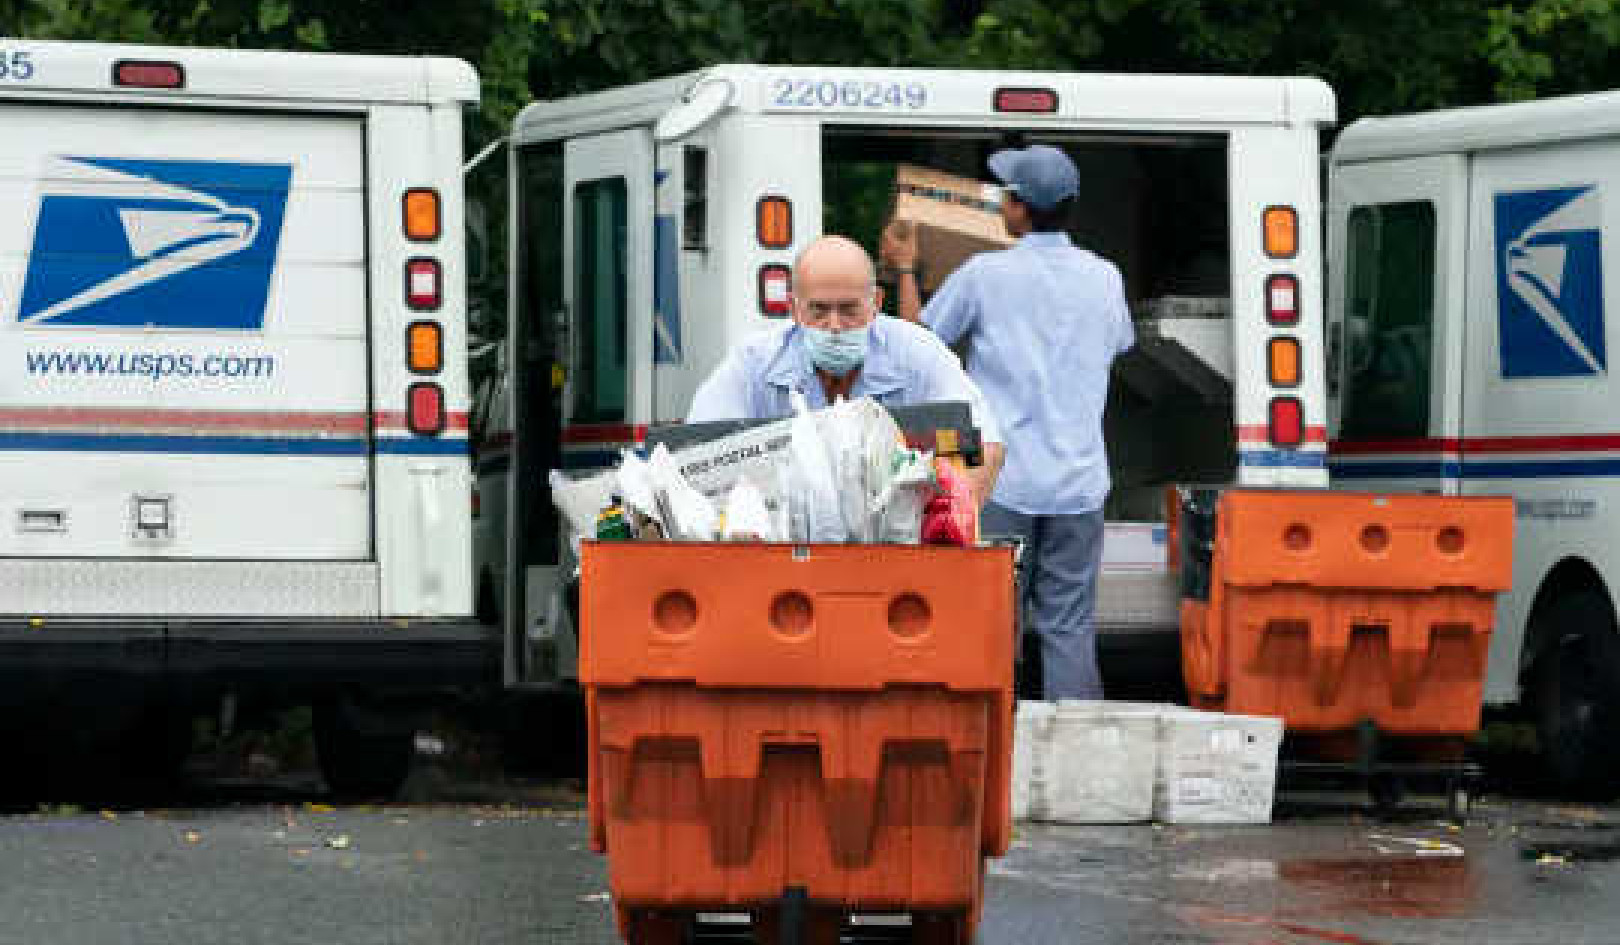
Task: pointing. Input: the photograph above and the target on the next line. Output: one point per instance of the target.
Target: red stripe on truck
(145, 417)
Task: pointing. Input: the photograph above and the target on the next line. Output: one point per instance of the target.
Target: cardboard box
(955, 217)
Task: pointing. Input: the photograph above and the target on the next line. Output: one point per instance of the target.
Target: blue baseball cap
(1040, 175)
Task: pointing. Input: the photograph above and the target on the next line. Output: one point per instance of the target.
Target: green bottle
(612, 524)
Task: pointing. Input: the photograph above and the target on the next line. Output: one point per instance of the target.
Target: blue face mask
(837, 353)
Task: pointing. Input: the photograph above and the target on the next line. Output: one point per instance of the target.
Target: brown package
(952, 216)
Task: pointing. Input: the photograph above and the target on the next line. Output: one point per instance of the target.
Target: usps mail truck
(656, 225)
(1474, 250)
(233, 453)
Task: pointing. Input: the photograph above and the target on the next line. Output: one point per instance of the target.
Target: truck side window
(695, 173)
(599, 290)
(1389, 320)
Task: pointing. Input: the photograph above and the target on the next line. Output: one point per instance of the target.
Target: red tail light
(149, 75)
(1287, 422)
(423, 285)
(1043, 101)
(425, 415)
(1282, 300)
(775, 290)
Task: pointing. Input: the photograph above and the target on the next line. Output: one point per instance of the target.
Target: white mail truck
(233, 450)
(655, 226)
(1473, 253)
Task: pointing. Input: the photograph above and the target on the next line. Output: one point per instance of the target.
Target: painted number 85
(16, 66)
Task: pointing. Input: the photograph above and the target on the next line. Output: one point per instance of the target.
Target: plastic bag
(686, 514)
(842, 431)
(635, 481)
(861, 438)
(898, 507)
(814, 509)
(580, 500)
(746, 517)
(952, 516)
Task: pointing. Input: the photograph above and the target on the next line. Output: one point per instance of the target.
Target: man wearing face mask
(837, 345)
(1042, 322)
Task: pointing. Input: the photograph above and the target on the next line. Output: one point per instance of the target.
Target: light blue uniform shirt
(905, 364)
(1043, 321)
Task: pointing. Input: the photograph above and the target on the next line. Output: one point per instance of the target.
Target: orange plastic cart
(1363, 621)
(797, 732)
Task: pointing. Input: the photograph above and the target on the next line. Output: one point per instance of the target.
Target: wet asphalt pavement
(1516, 873)
(272, 861)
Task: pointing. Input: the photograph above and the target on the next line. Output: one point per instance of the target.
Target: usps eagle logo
(170, 244)
(1549, 284)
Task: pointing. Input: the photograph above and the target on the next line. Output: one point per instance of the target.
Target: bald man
(837, 345)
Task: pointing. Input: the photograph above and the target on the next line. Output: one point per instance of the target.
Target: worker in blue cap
(1042, 322)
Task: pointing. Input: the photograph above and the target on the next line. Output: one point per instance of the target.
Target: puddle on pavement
(1404, 887)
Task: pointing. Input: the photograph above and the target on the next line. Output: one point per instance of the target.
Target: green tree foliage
(1379, 55)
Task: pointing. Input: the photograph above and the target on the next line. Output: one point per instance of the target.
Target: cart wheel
(1387, 791)
(655, 928)
(941, 928)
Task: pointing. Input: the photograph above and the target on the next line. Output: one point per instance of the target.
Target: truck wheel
(360, 758)
(1576, 684)
(543, 734)
(153, 755)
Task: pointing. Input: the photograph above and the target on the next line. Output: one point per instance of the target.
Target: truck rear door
(183, 324)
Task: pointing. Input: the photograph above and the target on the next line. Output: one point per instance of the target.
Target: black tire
(543, 735)
(1576, 682)
(152, 757)
(359, 758)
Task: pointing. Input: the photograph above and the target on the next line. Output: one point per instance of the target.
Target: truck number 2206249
(809, 93)
(16, 66)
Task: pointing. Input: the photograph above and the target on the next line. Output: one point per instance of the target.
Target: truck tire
(543, 734)
(152, 756)
(1576, 695)
(360, 755)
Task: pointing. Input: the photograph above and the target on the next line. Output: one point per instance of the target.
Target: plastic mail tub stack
(1363, 621)
(802, 733)
(1093, 762)
(1216, 768)
(1084, 762)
